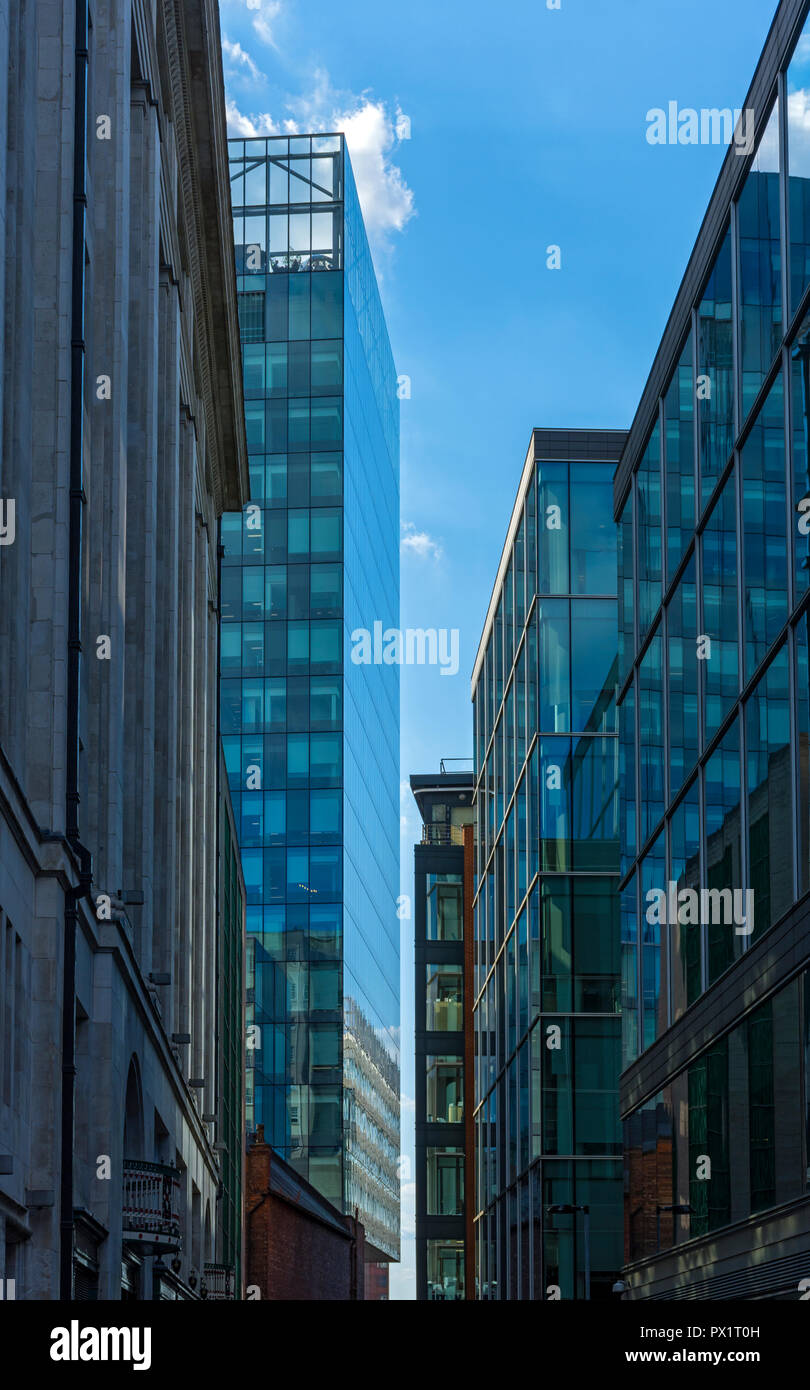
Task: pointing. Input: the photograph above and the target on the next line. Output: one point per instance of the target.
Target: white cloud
(419, 543)
(239, 58)
(371, 129)
(385, 197)
(249, 127)
(407, 1209)
(263, 16)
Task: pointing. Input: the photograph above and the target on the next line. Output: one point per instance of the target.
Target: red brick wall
(290, 1253)
(376, 1279)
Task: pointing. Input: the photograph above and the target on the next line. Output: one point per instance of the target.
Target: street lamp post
(568, 1209)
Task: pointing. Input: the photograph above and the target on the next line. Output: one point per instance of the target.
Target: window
(798, 85)
(627, 641)
(445, 1182)
(325, 815)
(444, 907)
(803, 740)
(552, 528)
(651, 735)
(595, 804)
(444, 994)
(555, 803)
(682, 679)
(629, 973)
(627, 778)
(760, 264)
(684, 870)
(679, 446)
(593, 666)
(580, 1088)
(326, 479)
(327, 422)
(653, 946)
(580, 947)
(327, 305)
(649, 1163)
(445, 1090)
(648, 524)
(593, 533)
(770, 827)
(251, 316)
(722, 829)
(764, 540)
(708, 1128)
(326, 541)
(326, 367)
(715, 394)
(445, 1270)
(720, 661)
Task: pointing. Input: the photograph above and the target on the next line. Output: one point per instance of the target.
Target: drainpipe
(74, 895)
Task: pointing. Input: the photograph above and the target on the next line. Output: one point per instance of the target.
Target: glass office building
(443, 956)
(311, 738)
(711, 497)
(546, 1011)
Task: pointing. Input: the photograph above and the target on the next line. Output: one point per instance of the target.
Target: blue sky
(527, 128)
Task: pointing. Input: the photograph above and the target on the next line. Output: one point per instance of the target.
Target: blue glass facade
(714, 715)
(312, 739)
(546, 910)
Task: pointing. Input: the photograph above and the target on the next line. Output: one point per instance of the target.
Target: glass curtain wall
(546, 1018)
(713, 699)
(320, 405)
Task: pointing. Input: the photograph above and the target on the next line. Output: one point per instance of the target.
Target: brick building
(298, 1246)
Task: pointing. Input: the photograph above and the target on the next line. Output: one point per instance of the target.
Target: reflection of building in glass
(370, 1126)
(311, 739)
(546, 989)
(443, 870)
(714, 717)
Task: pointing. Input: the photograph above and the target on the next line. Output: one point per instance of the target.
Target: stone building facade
(122, 443)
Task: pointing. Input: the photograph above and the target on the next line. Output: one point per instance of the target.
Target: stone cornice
(195, 71)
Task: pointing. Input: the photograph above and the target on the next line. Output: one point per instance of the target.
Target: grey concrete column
(142, 518)
(167, 710)
(106, 470)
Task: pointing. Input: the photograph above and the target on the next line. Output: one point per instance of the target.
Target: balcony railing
(219, 1282)
(442, 834)
(151, 1207)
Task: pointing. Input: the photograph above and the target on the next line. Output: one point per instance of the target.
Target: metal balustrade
(151, 1205)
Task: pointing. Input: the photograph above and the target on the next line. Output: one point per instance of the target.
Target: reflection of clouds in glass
(799, 70)
(766, 159)
(798, 109)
